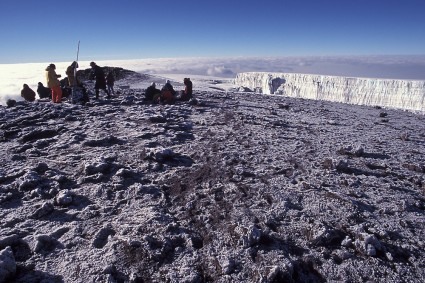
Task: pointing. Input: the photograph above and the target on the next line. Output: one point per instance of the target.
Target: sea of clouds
(392, 67)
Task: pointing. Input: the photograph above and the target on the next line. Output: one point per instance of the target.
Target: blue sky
(48, 31)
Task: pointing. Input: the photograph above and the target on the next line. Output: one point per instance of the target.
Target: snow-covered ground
(238, 187)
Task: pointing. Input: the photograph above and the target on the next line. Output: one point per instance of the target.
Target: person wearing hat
(53, 83)
(152, 92)
(100, 79)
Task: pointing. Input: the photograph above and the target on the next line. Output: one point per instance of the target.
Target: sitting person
(169, 87)
(167, 93)
(43, 92)
(152, 92)
(27, 93)
(167, 97)
(186, 94)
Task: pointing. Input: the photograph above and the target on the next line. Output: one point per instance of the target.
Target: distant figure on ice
(100, 79)
(186, 94)
(71, 73)
(110, 80)
(43, 92)
(53, 83)
(167, 93)
(27, 93)
(152, 92)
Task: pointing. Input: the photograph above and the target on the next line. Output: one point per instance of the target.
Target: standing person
(53, 83)
(100, 79)
(27, 93)
(110, 80)
(71, 73)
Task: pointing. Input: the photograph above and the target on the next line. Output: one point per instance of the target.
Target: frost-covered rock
(64, 198)
(7, 264)
(29, 181)
(252, 237)
(101, 237)
(44, 210)
(97, 167)
(8, 240)
(228, 265)
(44, 243)
(347, 242)
(164, 154)
(367, 244)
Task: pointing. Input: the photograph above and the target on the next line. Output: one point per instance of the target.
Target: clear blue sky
(48, 31)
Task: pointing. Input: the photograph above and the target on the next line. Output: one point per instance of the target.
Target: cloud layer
(392, 67)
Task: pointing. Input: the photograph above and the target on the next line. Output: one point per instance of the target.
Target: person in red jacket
(167, 93)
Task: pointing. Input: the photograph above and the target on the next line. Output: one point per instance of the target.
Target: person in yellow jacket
(70, 72)
(53, 83)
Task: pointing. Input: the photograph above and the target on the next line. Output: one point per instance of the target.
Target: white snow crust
(402, 94)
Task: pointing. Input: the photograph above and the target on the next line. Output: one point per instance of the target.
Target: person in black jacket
(151, 91)
(43, 92)
(27, 93)
(100, 79)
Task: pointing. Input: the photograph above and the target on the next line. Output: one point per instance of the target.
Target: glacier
(389, 93)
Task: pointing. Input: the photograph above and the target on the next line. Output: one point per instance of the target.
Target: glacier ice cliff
(403, 94)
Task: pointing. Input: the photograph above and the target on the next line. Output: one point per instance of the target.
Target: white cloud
(220, 71)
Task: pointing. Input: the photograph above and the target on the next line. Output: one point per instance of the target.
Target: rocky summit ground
(233, 188)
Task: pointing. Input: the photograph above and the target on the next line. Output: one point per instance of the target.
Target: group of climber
(73, 84)
(167, 94)
(54, 90)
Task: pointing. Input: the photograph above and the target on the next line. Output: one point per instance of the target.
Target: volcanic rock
(239, 187)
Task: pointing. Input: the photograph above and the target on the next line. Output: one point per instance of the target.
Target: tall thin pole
(78, 50)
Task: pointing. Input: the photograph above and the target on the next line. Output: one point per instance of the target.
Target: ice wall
(404, 94)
